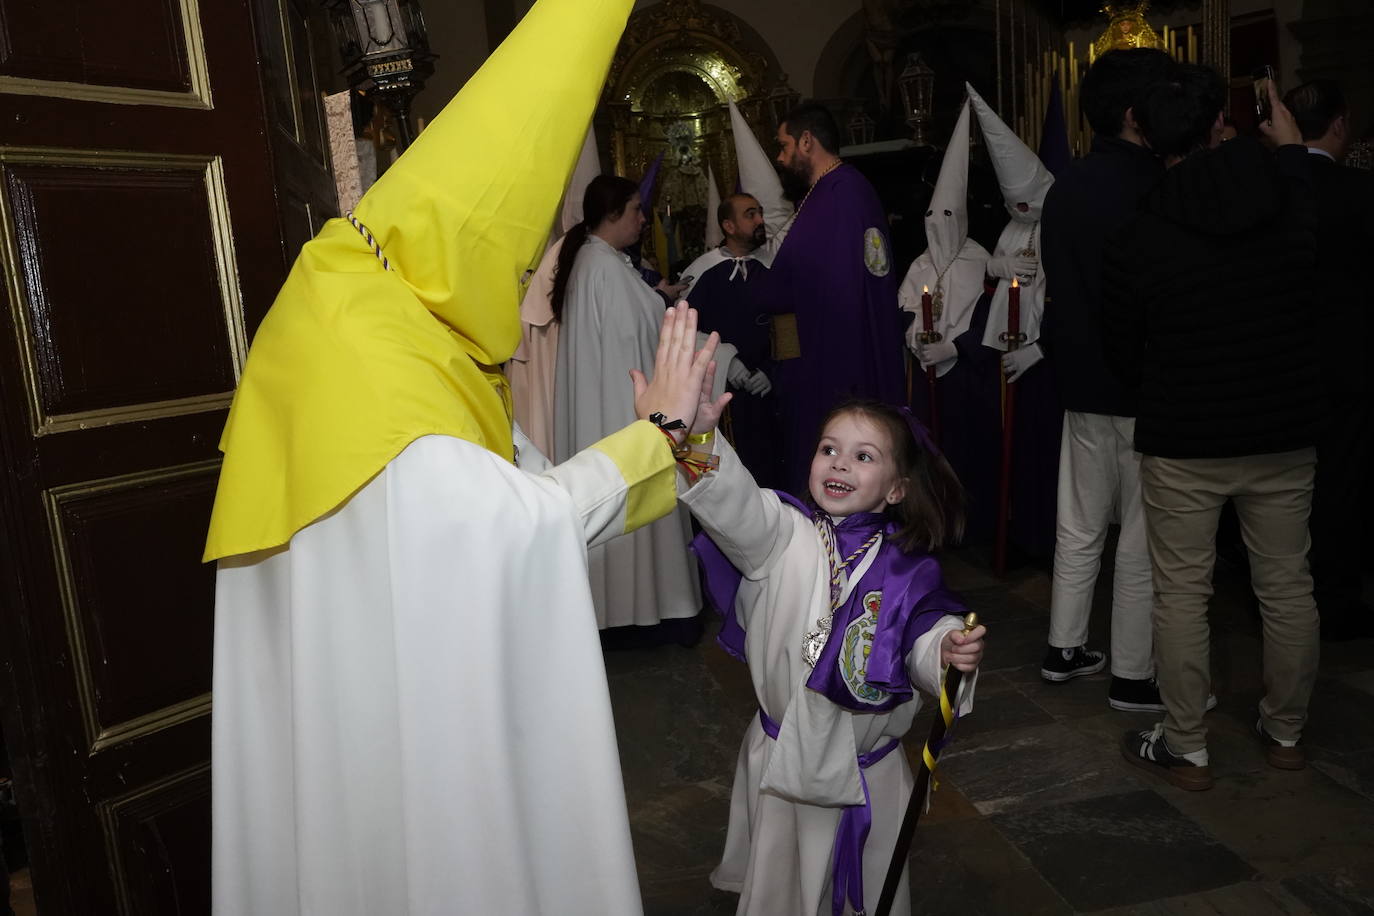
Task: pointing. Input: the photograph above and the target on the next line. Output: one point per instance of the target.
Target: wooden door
(140, 244)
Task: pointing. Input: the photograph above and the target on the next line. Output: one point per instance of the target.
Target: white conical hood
(757, 175)
(588, 167)
(1020, 173)
(947, 218)
(714, 236)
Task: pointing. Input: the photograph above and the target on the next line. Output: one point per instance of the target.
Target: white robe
(411, 711)
(778, 851)
(610, 325)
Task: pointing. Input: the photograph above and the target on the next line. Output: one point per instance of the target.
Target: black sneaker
(1282, 755)
(1142, 695)
(1066, 664)
(1148, 751)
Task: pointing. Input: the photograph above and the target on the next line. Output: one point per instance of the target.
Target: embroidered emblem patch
(875, 253)
(858, 643)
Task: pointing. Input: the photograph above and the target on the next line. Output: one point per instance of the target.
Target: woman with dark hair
(610, 319)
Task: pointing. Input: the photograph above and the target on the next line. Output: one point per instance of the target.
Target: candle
(927, 311)
(1014, 315)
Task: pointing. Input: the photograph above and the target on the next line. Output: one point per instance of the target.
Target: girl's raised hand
(679, 370)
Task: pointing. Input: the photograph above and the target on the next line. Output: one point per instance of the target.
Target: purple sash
(847, 871)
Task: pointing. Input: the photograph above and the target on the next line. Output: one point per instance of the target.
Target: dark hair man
(1208, 317)
(837, 333)
(1345, 451)
(1099, 471)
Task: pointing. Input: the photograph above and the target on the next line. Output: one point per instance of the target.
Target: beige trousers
(1273, 498)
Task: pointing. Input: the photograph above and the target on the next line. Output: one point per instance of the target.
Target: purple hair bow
(919, 432)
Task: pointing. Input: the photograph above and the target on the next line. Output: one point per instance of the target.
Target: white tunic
(411, 712)
(788, 793)
(611, 319)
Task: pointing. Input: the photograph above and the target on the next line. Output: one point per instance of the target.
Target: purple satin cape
(914, 597)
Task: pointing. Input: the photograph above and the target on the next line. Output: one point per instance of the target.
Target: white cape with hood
(1022, 178)
(953, 265)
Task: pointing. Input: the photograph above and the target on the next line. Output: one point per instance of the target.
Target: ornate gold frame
(198, 96)
(99, 738)
(225, 261)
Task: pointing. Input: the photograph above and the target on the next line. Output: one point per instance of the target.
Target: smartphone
(1262, 78)
(686, 278)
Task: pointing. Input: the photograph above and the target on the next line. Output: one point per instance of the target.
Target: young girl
(840, 611)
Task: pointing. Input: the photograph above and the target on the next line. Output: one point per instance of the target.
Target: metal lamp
(781, 100)
(861, 128)
(385, 52)
(917, 83)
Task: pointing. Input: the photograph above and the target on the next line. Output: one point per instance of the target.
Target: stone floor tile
(1284, 823)
(689, 895)
(1075, 699)
(1355, 771)
(1121, 850)
(679, 832)
(1016, 641)
(998, 704)
(1340, 717)
(1026, 768)
(971, 868)
(1250, 898)
(1340, 894)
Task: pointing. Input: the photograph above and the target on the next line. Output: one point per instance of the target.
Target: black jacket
(1345, 296)
(1208, 311)
(1090, 200)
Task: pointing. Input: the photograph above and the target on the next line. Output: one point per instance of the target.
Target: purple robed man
(837, 332)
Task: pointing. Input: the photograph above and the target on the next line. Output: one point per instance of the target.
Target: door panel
(94, 354)
(141, 242)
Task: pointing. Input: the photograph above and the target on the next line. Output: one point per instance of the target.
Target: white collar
(1318, 151)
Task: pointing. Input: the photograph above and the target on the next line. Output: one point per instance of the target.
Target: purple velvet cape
(914, 598)
(848, 323)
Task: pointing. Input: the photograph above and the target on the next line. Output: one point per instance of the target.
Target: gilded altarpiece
(677, 68)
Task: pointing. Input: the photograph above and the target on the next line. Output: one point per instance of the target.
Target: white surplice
(786, 802)
(610, 325)
(411, 711)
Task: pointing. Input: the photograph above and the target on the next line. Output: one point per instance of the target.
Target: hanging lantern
(861, 128)
(917, 83)
(385, 52)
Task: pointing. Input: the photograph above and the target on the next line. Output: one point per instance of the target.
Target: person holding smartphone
(1208, 318)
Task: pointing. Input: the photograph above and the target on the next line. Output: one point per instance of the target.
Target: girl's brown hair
(931, 513)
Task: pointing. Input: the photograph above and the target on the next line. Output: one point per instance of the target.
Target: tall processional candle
(1014, 315)
(928, 336)
(1012, 337)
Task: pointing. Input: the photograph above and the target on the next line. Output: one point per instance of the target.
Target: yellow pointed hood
(355, 361)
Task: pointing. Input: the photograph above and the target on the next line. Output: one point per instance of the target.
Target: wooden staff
(928, 336)
(1013, 338)
(949, 694)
